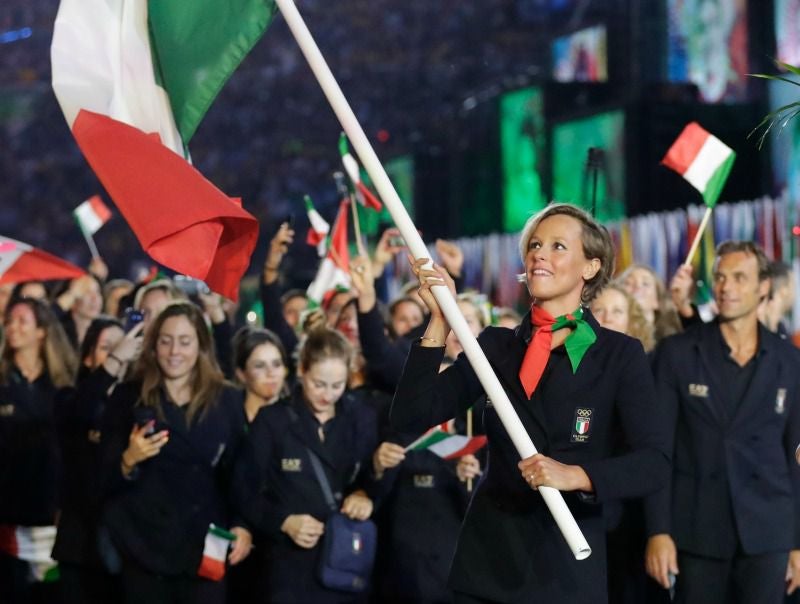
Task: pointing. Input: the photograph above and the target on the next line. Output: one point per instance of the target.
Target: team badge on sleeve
(582, 426)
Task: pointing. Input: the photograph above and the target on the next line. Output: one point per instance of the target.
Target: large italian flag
(134, 79)
(702, 159)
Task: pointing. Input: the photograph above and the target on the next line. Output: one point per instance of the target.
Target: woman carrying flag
(574, 386)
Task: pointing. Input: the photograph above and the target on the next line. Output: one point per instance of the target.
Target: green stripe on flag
(213, 529)
(196, 47)
(717, 182)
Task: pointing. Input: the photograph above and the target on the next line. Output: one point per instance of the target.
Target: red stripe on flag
(473, 444)
(211, 568)
(99, 208)
(182, 220)
(371, 200)
(8, 540)
(38, 265)
(685, 148)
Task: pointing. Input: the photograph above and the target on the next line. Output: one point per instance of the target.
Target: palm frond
(782, 115)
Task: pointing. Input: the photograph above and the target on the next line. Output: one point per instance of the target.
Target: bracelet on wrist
(432, 340)
(116, 358)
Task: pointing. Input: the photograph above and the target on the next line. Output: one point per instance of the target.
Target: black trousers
(85, 585)
(740, 580)
(17, 587)
(140, 586)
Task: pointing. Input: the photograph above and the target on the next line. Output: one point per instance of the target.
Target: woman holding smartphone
(170, 440)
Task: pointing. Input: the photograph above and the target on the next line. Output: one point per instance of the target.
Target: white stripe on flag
(448, 446)
(89, 221)
(10, 251)
(711, 156)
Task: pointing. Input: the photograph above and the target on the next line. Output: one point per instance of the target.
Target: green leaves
(783, 115)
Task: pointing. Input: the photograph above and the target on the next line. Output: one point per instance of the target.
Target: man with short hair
(728, 523)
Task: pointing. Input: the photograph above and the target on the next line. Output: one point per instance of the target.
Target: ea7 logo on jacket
(582, 426)
(291, 465)
(700, 390)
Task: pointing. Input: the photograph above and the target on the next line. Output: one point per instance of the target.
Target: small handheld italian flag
(702, 159)
(319, 230)
(363, 194)
(441, 441)
(218, 540)
(91, 215)
(705, 161)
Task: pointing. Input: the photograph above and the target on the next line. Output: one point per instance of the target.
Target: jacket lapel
(305, 429)
(708, 373)
(766, 379)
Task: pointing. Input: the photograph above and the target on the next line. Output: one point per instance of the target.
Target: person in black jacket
(105, 352)
(291, 511)
(570, 394)
(170, 440)
(729, 520)
(37, 359)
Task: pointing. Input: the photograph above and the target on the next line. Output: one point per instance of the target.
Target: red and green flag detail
(702, 159)
(334, 270)
(441, 441)
(34, 545)
(91, 215)
(318, 233)
(215, 551)
(362, 193)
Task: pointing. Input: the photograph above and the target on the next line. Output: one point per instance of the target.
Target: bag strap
(319, 471)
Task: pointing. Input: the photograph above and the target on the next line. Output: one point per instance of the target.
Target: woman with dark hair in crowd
(105, 354)
(321, 419)
(572, 383)
(36, 361)
(170, 439)
(261, 366)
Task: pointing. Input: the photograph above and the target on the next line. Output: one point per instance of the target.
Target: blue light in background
(15, 35)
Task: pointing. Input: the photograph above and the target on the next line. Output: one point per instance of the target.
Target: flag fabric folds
(180, 218)
(91, 214)
(215, 550)
(319, 230)
(165, 66)
(197, 45)
(102, 62)
(21, 262)
(334, 270)
(702, 159)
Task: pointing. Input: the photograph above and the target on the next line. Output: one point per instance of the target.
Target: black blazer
(734, 478)
(29, 454)
(78, 413)
(284, 483)
(510, 548)
(159, 518)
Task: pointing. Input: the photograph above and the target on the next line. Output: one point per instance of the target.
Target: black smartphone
(132, 318)
(289, 220)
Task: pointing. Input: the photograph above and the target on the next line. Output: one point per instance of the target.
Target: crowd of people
(140, 428)
(406, 70)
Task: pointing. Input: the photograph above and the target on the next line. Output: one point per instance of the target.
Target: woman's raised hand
(431, 277)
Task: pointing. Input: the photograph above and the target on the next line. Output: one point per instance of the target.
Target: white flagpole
(494, 390)
(698, 236)
(90, 242)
